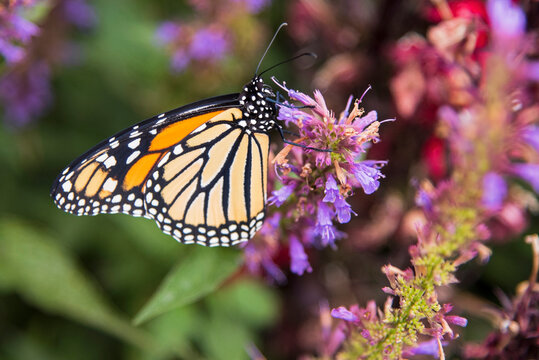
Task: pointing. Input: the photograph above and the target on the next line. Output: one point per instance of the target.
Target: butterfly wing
(195, 170)
(210, 189)
(110, 177)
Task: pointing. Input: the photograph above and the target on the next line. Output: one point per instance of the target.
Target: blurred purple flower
(253, 6)
(529, 173)
(494, 191)
(15, 31)
(299, 262)
(425, 348)
(179, 60)
(25, 95)
(423, 199)
(79, 13)
(10, 52)
(344, 314)
(507, 20)
(209, 44)
(18, 28)
(168, 32)
(456, 320)
(531, 136)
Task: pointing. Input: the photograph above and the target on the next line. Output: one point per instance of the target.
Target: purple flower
(179, 60)
(168, 32)
(278, 197)
(15, 31)
(343, 313)
(293, 115)
(209, 44)
(10, 52)
(531, 135)
(507, 20)
(18, 28)
(366, 120)
(457, 320)
(529, 173)
(344, 210)
(324, 225)
(367, 175)
(80, 14)
(425, 348)
(254, 6)
(424, 200)
(25, 95)
(331, 190)
(299, 262)
(494, 191)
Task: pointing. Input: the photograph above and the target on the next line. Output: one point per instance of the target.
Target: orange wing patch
(174, 133)
(139, 171)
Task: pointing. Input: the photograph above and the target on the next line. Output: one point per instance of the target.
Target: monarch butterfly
(200, 171)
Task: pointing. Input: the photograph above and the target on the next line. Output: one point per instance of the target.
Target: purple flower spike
(343, 313)
(299, 262)
(494, 191)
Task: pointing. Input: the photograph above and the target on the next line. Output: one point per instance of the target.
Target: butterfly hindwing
(212, 192)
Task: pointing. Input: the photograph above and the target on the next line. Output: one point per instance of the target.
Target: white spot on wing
(101, 157)
(132, 157)
(66, 186)
(110, 184)
(134, 144)
(111, 161)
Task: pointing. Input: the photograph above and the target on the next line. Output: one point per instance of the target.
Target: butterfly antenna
(288, 60)
(271, 42)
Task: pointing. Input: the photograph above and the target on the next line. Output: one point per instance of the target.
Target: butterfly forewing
(110, 177)
(211, 192)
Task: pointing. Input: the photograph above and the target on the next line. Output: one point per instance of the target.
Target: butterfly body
(200, 171)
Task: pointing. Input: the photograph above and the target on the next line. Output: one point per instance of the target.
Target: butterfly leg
(300, 145)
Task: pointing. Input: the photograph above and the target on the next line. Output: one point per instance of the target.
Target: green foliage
(195, 276)
(44, 274)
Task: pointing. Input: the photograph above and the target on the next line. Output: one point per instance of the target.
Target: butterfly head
(258, 110)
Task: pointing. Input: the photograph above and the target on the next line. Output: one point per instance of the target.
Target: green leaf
(248, 302)
(47, 276)
(225, 339)
(198, 274)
